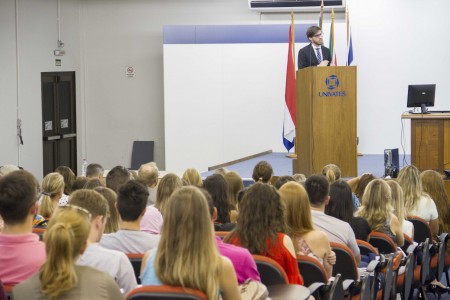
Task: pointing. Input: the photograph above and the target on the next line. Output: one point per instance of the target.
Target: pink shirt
(242, 260)
(152, 220)
(21, 256)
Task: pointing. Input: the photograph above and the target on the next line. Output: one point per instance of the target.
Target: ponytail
(46, 207)
(330, 176)
(65, 238)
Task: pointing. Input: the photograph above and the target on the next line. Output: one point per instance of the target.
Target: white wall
(37, 38)
(102, 37)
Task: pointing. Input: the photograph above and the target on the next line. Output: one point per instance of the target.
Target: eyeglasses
(77, 208)
(318, 35)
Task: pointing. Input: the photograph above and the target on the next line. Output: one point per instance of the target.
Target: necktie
(319, 56)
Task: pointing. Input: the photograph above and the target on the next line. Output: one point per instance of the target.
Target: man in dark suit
(315, 54)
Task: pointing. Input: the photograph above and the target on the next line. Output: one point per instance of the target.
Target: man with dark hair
(131, 205)
(315, 54)
(242, 260)
(116, 177)
(318, 189)
(113, 262)
(21, 252)
(94, 171)
(148, 174)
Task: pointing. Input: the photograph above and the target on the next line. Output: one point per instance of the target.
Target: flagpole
(347, 18)
(321, 15)
(293, 36)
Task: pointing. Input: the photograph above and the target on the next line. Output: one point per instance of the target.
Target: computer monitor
(421, 95)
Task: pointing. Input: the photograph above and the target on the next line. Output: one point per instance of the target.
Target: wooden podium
(430, 141)
(326, 120)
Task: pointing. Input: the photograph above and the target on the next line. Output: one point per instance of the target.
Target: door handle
(69, 135)
(52, 138)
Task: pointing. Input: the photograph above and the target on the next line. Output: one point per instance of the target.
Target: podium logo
(332, 83)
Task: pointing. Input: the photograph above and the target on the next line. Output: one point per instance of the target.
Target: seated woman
(217, 187)
(417, 202)
(399, 208)
(192, 177)
(235, 185)
(262, 172)
(152, 220)
(307, 241)
(377, 210)
(187, 253)
(52, 188)
(260, 228)
(340, 206)
(59, 277)
(433, 185)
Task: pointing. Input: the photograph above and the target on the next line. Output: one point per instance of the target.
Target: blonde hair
(297, 210)
(192, 177)
(235, 184)
(398, 201)
(376, 204)
(112, 223)
(433, 185)
(148, 173)
(409, 180)
(64, 238)
(331, 172)
(167, 185)
(52, 185)
(187, 253)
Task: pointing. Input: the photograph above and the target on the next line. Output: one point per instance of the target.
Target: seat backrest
(40, 232)
(382, 242)
(2, 292)
(270, 271)
(345, 262)
(388, 278)
(426, 258)
(408, 275)
(422, 230)
(222, 234)
(311, 270)
(136, 262)
(165, 292)
(337, 289)
(443, 238)
(365, 248)
(365, 287)
(408, 242)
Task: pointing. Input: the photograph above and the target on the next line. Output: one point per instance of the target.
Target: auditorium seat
(163, 292)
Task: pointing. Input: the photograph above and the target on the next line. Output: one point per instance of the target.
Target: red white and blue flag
(290, 94)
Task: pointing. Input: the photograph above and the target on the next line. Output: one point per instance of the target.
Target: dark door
(59, 121)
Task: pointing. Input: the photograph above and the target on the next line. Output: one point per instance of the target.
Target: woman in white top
(417, 203)
(399, 208)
